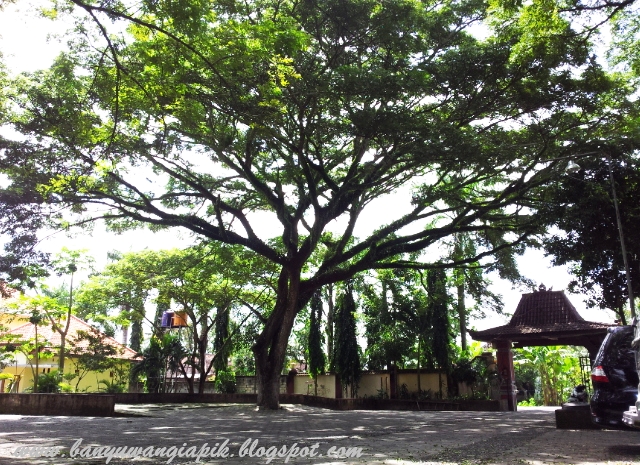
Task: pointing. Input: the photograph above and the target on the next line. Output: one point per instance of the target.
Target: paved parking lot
(247, 436)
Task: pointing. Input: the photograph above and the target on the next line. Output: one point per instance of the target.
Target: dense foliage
(210, 285)
(346, 357)
(199, 115)
(588, 238)
(317, 359)
(550, 373)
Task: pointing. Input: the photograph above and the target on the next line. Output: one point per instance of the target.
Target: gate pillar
(508, 390)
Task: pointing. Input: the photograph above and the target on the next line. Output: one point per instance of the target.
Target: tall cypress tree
(221, 346)
(346, 359)
(317, 359)
(439, 315)
(135, 342)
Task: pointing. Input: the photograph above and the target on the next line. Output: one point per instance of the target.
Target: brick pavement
(528, 436)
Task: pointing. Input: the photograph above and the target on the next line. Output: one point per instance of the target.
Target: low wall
(372, 384)
(95, 405)
(184, 398)
(367, 403)
(304, 384)
(244, 385)
(479, 405)
(88, 405)
(370, 403)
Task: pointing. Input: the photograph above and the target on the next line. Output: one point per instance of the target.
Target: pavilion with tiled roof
(542, 318)
(545, 318)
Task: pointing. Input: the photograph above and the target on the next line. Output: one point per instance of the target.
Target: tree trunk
(419, 354)
(191, 381)
(61, 356)
(270, 348)
(268, 384)
(125, 336)
(35, 378)
(63, 340)
(201, 384)
(202, 360)
(63, 333)
(462, 315)
(621, 315)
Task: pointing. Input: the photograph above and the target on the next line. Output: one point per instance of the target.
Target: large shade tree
(199, 114)
(582, 204)
(587, 236)
(206, 284)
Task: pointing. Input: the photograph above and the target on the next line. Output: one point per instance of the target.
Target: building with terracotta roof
(20, 340)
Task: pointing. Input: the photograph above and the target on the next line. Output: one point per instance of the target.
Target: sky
(26, 45)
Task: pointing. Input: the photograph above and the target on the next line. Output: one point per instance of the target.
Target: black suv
(614, 377)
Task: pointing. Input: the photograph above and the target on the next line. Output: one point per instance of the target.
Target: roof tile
(541, 313)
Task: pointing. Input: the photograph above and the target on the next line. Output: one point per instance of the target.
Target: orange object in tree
(179, 320)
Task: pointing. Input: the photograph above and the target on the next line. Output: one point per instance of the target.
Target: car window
(618, 351)
(605, 343)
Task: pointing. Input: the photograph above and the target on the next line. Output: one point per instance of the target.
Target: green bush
(553, 370)
(112, 388)
(65, 387)
(49, 382)
(475, 373)
(531, 402)
(226, 382)
(475, 395)
(423, 395)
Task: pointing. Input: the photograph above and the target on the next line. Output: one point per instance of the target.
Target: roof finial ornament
(542, 288)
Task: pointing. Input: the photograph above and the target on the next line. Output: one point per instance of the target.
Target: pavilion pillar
(508, 390)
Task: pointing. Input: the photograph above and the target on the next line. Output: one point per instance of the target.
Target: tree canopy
(582, 209)
(221, 117)
(206, 284)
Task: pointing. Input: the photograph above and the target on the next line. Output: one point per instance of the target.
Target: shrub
(65, 387)
(226, 381)
(112, 388)
(49, 382)
(531, 402)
